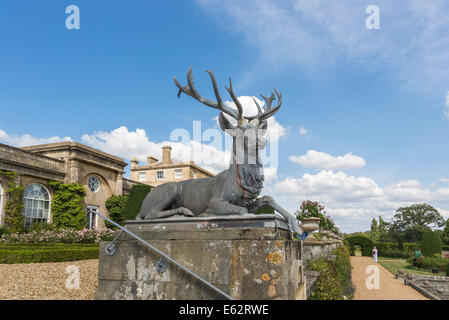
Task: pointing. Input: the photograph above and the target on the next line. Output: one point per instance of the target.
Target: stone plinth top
(263, 226)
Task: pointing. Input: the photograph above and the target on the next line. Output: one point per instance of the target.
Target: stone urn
(324, 233)
(309, 225)
(332, 236)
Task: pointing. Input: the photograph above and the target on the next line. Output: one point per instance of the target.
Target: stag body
(233, 191)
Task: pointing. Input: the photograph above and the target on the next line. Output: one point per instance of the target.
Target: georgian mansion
(100, 173)
(68, 162)
(157, 172)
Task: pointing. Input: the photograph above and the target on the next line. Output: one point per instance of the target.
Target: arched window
(36, 201)
(1, 202)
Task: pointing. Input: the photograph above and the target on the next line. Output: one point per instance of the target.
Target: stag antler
(190, 90)
(268, 112)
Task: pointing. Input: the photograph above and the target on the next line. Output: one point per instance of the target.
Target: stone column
(119, 184)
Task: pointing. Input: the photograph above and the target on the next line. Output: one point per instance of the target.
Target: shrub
(116, 207)
(136, 196)
(67, 205)
(60, 236)
(431, 244)
(365, 242)
(447, 270)
(334, 278)
(428, 263)
(43, 226)
(4, 230)
(395, 253)
(38, 254)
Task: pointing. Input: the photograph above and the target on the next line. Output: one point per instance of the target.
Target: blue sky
(371, 103)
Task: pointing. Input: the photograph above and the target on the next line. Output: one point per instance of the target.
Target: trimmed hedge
(136, 196)
(365, 242)
(431, 243)
(38, 253)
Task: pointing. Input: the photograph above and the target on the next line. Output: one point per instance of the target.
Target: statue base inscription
(247, 257)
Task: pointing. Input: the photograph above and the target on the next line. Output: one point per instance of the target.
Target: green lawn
(394, 264)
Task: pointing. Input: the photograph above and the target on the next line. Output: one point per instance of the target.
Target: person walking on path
(375, 254)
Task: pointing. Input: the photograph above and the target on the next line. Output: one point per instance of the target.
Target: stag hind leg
(159, 204)
(267, 200)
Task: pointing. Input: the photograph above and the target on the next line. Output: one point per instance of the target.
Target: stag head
(253, 127)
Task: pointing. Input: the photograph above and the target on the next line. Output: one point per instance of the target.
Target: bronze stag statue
(233, 191)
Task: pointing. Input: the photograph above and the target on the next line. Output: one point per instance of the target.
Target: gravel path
(390, 288)
(47, 281)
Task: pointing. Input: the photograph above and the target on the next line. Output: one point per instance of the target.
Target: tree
(417, 215)
(445, 235)
(383, 228)
(374, 232)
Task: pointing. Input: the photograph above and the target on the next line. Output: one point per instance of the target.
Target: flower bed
(60, 236)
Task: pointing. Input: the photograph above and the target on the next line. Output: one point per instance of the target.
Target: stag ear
(225, 124)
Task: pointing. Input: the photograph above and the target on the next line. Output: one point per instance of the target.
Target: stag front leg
(269, 201)
(221, 208)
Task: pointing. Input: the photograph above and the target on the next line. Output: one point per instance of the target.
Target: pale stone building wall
(65, 162)
(148, 173)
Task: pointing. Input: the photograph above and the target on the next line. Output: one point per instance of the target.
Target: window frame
(162, 174)
(30, 220)
(144, 174)
(178, 171)
(99, 184)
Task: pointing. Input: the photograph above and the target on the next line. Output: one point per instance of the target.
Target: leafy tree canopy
(422, 215)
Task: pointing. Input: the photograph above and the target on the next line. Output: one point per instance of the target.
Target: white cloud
(321, 160)
(354, 201)
(28, 140)
(128, 144)
(303, 131)
(275, 129)
(412, 44)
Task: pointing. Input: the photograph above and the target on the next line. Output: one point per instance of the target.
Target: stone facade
(66, 162)
(247, 257)
(157, 172)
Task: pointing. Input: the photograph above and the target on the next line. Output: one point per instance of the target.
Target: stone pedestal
(248, 257)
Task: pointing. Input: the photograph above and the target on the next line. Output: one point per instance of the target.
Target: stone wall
(433, 287)
(246, 257)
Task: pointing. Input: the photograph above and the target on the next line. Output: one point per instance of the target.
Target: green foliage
(335, 276)
(42, 227)
(447, 270)
(136, 196)
(428, 263)
(422, 215)
(4, 230)
(265, 209)
(431, 243)
(365, 242)
(445, 235)
(67, 205)
(311, 209)
(116, 207)
(374, 230)
(14, 204)
(37, 253)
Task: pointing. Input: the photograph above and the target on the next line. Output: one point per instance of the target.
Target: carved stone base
(247, 257)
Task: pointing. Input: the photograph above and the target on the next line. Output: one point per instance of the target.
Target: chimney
(134, 163)
(151, 160)
(166, 155)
